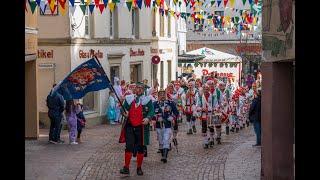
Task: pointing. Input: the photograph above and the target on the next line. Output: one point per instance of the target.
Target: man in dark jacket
(56, 105)
(255, 116)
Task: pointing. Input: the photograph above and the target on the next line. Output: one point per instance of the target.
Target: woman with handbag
(111, 108)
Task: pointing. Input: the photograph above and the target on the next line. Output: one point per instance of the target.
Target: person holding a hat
(139, 111)
(165, 112)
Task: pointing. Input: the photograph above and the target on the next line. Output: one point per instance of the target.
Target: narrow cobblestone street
(101, 157)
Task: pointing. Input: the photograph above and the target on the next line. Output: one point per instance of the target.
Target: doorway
(135, 73)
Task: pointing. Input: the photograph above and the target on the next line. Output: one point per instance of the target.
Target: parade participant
(123, 86)
(190, 111)
(230, 85)
(226, 96)
(165, 113)
(178, 93)
(241, 112)
(170, 91)
(140, 111)
(205, 111)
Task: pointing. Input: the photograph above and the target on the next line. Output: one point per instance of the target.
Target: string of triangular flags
(196, 10)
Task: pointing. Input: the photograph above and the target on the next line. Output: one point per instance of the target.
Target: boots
(219, 140)
(194, 129)
(175, 142)
(164, 155)
(237, 130)
(190, 131)
(211, 142)
(206, 146)
(232, 129)
(139, 171)
(247, 123)
(124, 170)
(227, 130)
(145, 151)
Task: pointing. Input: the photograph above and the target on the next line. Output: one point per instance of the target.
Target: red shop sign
(155, 59)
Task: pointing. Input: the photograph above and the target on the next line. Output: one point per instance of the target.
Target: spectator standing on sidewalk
(118, 90)
(55, 103)
(255, 116)
(72, 109)
(81, 122)
(111, 108)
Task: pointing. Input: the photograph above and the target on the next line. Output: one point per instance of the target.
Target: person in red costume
(139, 111)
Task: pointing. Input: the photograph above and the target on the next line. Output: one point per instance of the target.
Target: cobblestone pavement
(62, 161)
(191, 162)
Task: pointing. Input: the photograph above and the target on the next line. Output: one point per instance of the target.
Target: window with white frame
(135, 22)
(87, 23)
(169, 26)
(111, 24)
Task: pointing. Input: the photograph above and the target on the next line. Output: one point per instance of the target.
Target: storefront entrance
(135, 73)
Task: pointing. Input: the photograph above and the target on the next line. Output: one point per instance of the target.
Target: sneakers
(72, 143)
(53, 142)
(60, 141)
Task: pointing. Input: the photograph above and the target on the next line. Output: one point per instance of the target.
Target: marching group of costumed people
(209, 100)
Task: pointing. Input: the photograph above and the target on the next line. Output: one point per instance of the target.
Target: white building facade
(122, 40)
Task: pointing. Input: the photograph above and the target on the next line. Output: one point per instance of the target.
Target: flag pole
(112, 89)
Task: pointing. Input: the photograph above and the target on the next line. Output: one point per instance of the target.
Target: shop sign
(90, 54)
(249, 48)
(162, 51)
(139, 52)
(155, 59)
(46, 65)
(154, 50)
(206, 72)
(45, 54)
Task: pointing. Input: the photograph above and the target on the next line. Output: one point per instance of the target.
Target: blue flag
(87, 77)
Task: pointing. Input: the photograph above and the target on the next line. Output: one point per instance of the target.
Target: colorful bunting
(147, 3)
(33, 6)
(225, 2)
(97, 2)
(129, 4)
(38, 2)
(244, 2)
(62, 9)
(91, 7)
(250, 2)
(232, 3)
(88, 2)
(71, 2)
(111, 6)
(139, 3)
(62, 3)
(83, 8)
(219, 2)
(101, 7)
(42, 7)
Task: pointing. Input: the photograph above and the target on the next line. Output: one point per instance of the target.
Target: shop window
(114, 72)
(135, 73)
(88, 102)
